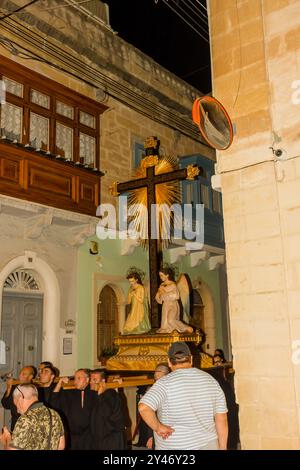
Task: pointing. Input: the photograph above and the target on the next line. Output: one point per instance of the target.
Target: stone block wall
(256, 72)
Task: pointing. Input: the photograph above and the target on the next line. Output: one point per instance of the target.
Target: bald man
(77, 406)
(26, 376)
(38, 428)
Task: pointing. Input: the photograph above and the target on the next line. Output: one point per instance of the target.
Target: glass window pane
(87, 119)
(87, 149)
(64, 141)
(64, 110)
(39, 98)
(39, 132)
(216, 202)
(205, 195)
(13, 87)
(11, 121)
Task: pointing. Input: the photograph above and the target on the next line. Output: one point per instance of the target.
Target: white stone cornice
(34, 226)
(128, 246)
(216, 183)
(194, 246)
(214, 261)
(175, 254)
(197, 257)
(27, 209)
(80, 233)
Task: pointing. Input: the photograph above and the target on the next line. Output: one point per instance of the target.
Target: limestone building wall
(142, 97)
(256, 71)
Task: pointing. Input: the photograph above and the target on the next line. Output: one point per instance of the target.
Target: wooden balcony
(45, 179)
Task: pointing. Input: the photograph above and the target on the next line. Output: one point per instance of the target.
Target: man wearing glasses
(26, 376)
(38, 428)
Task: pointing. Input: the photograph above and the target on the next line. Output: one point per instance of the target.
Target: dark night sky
(156, 30)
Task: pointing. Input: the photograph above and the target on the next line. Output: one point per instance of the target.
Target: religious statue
(168, 295)
(137, 321)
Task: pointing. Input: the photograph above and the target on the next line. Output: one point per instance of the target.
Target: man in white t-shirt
(186, 409)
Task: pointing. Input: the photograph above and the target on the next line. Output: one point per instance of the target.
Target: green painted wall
(116, 264)
(112, 263)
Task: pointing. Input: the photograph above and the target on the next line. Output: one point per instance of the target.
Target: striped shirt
(187, 400)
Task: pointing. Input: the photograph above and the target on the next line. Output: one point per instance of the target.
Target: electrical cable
(240, 55)
(18, 9)
(201, 4)
(117, 91)
(190, 17)
(66, 5)
(195, 10)
(191, 26)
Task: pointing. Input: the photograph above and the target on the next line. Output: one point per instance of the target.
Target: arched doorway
(107, 322)
(51, 305)
(22, 319)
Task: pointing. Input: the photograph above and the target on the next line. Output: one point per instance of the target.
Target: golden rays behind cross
(166, 194)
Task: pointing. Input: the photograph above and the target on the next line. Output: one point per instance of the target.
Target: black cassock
(45, 394)
(108, 423)
(76, 417)
(8, 404)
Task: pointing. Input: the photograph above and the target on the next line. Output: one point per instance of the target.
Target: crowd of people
(47, 416)
(186, 408)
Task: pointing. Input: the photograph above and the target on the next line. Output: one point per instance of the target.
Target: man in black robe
(46, 384)
(108, 422)
(76, 406)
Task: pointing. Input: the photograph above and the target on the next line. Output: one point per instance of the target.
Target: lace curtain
(39, 132)
(87, 119)
(39, 98)
(13, 87)
(11, 121)
(64, 110)
(64, 141)
(87, 149)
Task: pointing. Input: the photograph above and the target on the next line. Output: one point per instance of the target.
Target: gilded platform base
(144, 352)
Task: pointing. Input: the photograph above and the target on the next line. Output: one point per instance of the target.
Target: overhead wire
(240, 55)
(189, 16)
(196, 11)
(66, 5)
(201, 4)
(18, 9)
(189, 24)
(117, 90)
(195, 71)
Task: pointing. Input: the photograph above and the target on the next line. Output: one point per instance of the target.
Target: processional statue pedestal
(145, 342)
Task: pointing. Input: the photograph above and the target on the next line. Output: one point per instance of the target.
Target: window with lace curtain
(44, 115)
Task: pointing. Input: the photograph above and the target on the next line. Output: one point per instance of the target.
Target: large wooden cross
(150, 181)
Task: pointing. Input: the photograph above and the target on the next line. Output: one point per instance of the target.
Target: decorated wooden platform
(144, 352)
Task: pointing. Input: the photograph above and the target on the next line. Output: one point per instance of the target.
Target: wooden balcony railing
(46, 179)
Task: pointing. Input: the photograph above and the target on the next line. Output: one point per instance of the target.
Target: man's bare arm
(62, 443)
(222, 429)
(150, 418)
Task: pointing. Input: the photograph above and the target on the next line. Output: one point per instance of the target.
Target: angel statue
(168, 295)
(137, 321)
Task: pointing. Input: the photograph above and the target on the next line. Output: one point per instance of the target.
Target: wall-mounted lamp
(94, 248)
